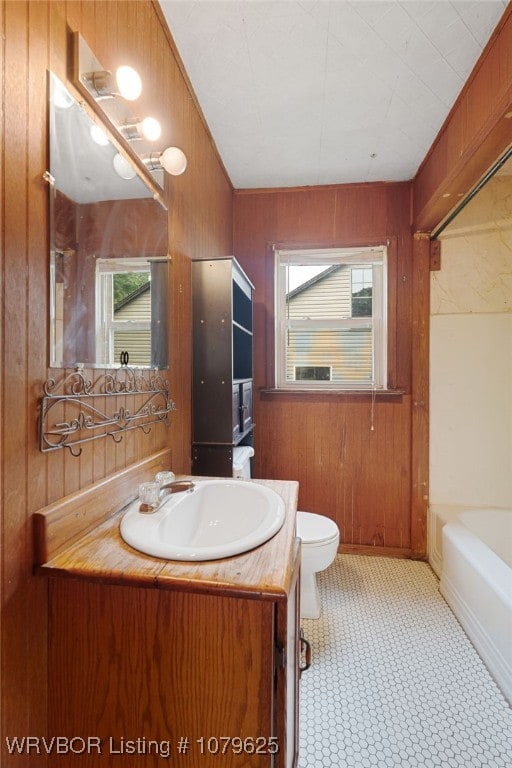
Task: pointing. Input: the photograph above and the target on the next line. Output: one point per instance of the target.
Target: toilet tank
(242, 455)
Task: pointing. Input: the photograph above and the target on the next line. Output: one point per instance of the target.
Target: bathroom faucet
(176, 486)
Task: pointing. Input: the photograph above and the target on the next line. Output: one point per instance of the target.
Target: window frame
(106, 325)
(371, 255)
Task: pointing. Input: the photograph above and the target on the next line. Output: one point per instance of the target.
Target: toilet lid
(312, 528)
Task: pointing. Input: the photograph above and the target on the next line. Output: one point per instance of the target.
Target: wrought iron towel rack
(77, 410)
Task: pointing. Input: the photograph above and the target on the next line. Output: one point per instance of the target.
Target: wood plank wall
(33, 38)
(358, 476)
(475, 134)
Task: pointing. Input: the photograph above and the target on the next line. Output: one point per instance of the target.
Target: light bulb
(123, 167)
(129, 82)
(99, 136)
(173, 160)
(151, 128)
(134, 129)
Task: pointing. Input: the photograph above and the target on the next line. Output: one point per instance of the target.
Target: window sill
(342, 394)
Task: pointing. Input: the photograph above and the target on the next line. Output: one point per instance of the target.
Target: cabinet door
(236, 412)
(287, 674)
(246, 405)
(161, 666)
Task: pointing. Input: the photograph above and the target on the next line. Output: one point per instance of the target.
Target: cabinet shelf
(242, 328)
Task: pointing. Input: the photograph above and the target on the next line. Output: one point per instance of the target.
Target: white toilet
(320, 537)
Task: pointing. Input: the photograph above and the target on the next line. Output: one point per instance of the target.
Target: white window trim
(370, 255)
(105, 324)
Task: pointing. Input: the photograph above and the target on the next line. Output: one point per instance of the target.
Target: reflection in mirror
(108, 248)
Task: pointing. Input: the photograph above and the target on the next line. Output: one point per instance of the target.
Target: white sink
(217, 518)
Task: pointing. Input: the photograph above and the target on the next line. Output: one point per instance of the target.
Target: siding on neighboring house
(327, 295)
(347, 352)
(136, 342)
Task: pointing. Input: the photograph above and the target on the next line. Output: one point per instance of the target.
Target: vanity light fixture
(129, 82)
(99, 136)
(99, 86)
(102, 85)
(173, 160)
(134, 129)
(122, 167)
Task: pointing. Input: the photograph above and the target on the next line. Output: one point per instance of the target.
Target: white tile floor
(395, 681)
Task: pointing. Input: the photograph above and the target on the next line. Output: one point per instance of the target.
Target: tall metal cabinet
(222, 297)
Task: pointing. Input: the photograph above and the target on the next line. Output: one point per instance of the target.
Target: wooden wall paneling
(63, 476)
(399, 214)
(105, 21)
(277, 424)
(35, 38)
(103, 27)
(38, 241)
(376, 470)
(73, 12)
(359, 477)
(57, 526)
(403, 326)
(420, 395)
(3, 650)
(57, 41)
(474, 135)
(2, 252)
(396, 473)
(306, 214)
(394, 337)
(84, 19)
(257, 213)
(70, 466)
(16, 564)
(38, 291)
(101, 450)
(361, 212)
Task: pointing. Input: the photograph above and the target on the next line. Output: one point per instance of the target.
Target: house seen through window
(124, 311)
(331, 318)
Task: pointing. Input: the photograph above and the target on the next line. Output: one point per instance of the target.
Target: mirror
(108, 248)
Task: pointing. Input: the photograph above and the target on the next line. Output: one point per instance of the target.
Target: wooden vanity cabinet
(144, 669)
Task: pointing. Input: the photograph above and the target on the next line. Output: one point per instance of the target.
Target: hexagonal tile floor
(395, 681)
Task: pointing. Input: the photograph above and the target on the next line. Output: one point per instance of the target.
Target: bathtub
(471, 551)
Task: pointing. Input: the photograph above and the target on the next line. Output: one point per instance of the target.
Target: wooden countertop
(263, 573)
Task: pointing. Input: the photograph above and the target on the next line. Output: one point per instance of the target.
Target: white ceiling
(327, 91)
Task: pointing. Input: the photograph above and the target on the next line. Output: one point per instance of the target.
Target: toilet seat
(316, 530)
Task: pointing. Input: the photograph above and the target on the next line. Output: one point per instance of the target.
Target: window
(362, 286)
(331, 318)
(123, 311)
(313, 373)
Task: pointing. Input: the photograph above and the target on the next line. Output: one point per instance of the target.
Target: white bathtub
(471, 551)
